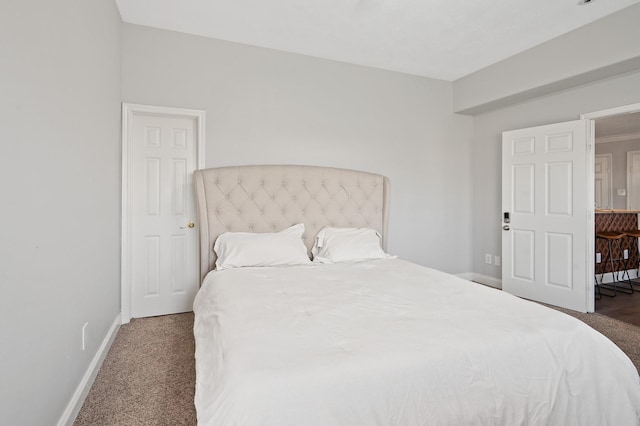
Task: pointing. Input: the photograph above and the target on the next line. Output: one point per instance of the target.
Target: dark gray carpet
(148, 377)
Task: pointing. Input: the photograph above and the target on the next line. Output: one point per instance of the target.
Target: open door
(547, 204)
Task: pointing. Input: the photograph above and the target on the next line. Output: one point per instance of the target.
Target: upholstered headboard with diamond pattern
(271, 198)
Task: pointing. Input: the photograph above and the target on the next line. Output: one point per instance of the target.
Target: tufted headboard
(272, 198)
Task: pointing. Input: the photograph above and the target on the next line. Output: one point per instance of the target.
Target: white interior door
(603, 180)
(545, 194)
(633, 180)
(163, 239)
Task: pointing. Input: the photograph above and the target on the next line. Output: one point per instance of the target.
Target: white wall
(487, 160)
(266, 106)
(59, 181)
(604, 48)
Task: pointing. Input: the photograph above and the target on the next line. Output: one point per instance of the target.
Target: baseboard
(497, 282)
(607, 279)
(75, 404)
(465, 275)
(482, 279)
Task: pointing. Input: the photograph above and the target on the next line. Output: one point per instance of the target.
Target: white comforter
(392, 343)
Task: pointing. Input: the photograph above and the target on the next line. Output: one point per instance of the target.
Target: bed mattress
(389, 342)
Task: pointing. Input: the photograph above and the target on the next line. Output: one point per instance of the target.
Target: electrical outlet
(84, 335)
(626, 254)
(598, 257)
(487, 258)
(496, 260)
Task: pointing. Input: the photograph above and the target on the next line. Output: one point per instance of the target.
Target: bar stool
(634, 254)
(610, 237)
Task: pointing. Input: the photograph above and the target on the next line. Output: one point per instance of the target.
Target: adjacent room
(364, 212)
(617, 204)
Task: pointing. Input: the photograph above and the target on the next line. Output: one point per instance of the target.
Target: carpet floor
(148, 376)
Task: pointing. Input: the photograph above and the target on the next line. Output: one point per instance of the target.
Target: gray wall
(604, 48)
(487, 160)
(60, 215)
(618, 151)
(270, 107)
(60, 163)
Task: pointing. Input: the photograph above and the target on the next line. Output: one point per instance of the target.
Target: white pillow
(244, 249)
(347, 245)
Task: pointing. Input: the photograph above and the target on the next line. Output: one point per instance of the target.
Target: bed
(380, 341)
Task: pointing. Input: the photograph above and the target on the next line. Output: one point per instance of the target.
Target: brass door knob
(191, 224)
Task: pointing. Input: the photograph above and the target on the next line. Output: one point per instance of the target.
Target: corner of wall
(75, 404)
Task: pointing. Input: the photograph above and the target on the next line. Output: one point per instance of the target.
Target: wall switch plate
(496, 260)
(621, 192)
(487, 258)
(598, 257)
(626, 254)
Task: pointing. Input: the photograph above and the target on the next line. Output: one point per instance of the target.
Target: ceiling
(618, 128)
(441, 39)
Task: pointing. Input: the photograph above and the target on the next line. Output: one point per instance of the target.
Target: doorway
(161, 147)
(544, 260)
(617, 136)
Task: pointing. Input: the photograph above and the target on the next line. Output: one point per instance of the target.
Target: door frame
(128, 112)
(590, 249)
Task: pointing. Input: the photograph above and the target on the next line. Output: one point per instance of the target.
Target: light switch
(622, 192)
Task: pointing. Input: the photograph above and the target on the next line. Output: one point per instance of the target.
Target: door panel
(559, 188)
(603, 181)
(633, 180)
(164, 250)
(545, 192)
(523, 249)
(523, 189)
(559, 254)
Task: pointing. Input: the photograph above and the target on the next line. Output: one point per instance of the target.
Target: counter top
(601, 211)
